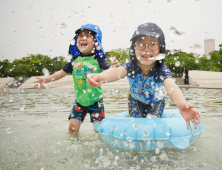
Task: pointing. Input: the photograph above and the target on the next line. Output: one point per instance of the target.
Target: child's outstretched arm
(112, 74)
(186, 109)
(56, 76)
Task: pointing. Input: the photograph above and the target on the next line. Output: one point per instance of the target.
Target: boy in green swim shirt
(88, 57)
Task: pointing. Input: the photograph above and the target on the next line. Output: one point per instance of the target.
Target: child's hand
(94, 80)
(41, 81)
(114, 62)
(190, 114)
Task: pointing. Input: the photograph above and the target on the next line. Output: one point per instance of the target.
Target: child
(88, 57)
(149, 78)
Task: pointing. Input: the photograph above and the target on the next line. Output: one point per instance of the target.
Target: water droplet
(9, 130)
(98, 48)
(72, 42)
(129, 139)
(89, 90)
(45, 72)
(116, 157)
(157, 151)
(187, 106)
(116, 128)
(197, 61)
(171, 89)
(69, 57)
(22, 108)
(63, 25)
(208, 57)
(145, 132)
(177, 64)
(168, 133)
(126, 143)
(135, 126)
(131, 145)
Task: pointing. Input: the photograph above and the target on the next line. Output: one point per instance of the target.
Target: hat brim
(77, 31)
(145, 33)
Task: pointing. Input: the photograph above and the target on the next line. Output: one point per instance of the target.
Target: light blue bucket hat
(99, 51)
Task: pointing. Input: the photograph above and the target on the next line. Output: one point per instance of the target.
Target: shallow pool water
(34, 134)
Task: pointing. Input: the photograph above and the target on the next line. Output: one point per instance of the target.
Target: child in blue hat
(88, 57)
(149, 78)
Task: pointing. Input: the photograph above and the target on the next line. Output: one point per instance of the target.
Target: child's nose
(147, 48)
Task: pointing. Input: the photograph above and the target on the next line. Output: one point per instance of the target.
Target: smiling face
(85, 42)
(149, 50)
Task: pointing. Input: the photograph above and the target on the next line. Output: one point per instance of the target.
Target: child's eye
(154, 43)
(141, 44)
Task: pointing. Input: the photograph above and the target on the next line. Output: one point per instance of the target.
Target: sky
(48, 27)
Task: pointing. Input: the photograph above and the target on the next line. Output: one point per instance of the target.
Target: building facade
(209, 46)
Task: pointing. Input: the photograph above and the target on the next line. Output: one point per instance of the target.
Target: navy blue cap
(151, 30)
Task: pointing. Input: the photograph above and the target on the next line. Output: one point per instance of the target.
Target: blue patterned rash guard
(148, 89)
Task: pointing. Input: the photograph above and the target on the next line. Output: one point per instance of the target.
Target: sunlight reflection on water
(34, 134)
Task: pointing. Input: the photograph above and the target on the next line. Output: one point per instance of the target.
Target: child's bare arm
(56, 76)
(186, 109)
(112, 74)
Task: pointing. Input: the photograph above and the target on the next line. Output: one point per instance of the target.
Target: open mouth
(83, 44)
(146, 56)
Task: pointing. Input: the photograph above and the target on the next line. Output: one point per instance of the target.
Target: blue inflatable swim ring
(137, 134)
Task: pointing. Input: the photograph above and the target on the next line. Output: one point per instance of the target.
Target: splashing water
(168, 133)
(45, 72)
(208, 57)
(98, 48)
(175, 33)
(177, 64)
(135, 126)
(145, 132)
(158, 57)
(129, 139)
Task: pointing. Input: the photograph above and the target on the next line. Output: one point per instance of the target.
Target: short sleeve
(103, 63)
(68, 67)
(165, 72)
(129, 68)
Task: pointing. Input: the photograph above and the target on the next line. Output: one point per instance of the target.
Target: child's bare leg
(154, 116)
(74, 125)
